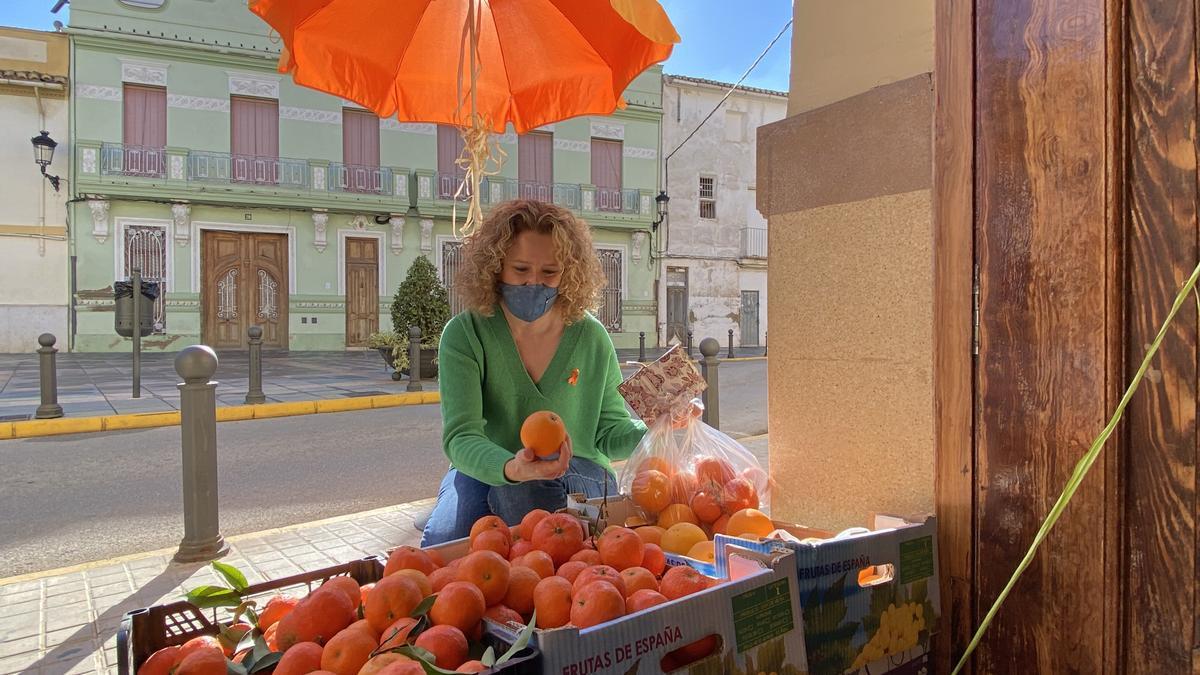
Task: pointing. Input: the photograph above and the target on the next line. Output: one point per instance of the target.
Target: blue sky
(720, 38)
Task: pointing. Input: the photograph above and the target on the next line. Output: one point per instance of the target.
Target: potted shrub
(392, 348)
(422, 301)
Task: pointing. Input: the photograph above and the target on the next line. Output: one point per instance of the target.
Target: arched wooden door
(243, 283)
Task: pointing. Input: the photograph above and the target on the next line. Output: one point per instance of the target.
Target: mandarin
(596, 603)
(448, 645)
(543, 432)
(410, 558)
(347, 652)
(538, 561)
(676, 513)
(570, 570)
(654, 559)
(620, 548)
(560, 535)
(521, 582)
(642, 599)
(651, 490)
(750, 521)
(680, 581)
(552, 602)
(638, 578)
(489, 572)
(459, 604)
(318, 617)
(599, 573)
(681, 537)
(393, 598)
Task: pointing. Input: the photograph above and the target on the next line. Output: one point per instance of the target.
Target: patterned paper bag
(663, 386)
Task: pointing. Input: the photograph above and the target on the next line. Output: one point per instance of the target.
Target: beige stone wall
(845, 183)
(840, 48)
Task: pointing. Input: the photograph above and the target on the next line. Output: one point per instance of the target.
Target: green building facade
(257, 202)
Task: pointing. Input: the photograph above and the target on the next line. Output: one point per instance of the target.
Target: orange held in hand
(544, 433)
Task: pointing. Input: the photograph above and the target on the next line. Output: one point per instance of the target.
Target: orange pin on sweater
(574, 378)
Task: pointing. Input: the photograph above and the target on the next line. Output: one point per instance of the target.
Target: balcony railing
(224, 167)
(361, 179)
(754, 242)
(131, 160)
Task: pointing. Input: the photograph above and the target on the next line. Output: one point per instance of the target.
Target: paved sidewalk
(102, 384)
(66, 621)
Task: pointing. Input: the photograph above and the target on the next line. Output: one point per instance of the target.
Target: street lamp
(661, 201)
(43, 154)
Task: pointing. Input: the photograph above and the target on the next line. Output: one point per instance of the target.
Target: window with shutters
(535, 166)
(450, 175)
(144, 247)
(610, 309)
(606, 173)
(359, 171)
(144, 131)
(708, 197)
(254, 140)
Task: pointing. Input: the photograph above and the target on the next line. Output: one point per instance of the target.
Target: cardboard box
(755, 614)
(861, 588)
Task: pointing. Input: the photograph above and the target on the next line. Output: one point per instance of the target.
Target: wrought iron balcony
(132, 160)
(360, 179)
(224, 167)
(495, 189)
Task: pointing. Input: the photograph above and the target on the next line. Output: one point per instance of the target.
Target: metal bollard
(414, 358)
(729, 354)
(136, 278)
(766, 335)
(202, 538)
(255, 394)
(642, 346)
(709, 348)
(689, 345)
(48, 371)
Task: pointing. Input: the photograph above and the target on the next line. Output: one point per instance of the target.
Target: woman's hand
(526, 466)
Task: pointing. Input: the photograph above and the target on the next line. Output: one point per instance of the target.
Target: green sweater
(487, 394)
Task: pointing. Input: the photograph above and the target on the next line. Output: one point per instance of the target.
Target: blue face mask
(528, 303)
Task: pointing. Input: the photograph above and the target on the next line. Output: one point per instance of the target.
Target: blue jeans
(462, 500)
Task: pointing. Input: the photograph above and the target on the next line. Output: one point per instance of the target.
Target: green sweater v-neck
(487, 394)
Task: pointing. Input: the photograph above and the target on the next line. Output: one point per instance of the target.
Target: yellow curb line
(80, 425)
(71, 569)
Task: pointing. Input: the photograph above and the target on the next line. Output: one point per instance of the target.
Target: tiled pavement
(102, 384)
(67, 622)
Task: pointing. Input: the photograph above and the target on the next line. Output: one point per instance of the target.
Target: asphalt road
(85, 497)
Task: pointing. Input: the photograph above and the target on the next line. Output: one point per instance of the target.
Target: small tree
(421, 301)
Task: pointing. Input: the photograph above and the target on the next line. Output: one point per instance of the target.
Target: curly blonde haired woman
(526, 343)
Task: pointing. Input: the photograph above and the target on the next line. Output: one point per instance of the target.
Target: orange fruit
(706, 506)
(552, 602)
(676, 513)
(620, 548)
(459, 604)
(531, 520)
(393, 598)
(639, 600)
(504, 615)
(420, 580)
(654, 559)
(544, 433)
(442, 576)
(680, 581)
(200, 644)
(758, 478)
(721, 526)
(683, 486)
(596, 603)
(750, 521)
(739, 494)
(538, 561)
(570, 570)
(405, 667)
(472, 667)
(492, 540)
(659, 464)
(161, 662)
(519, 549)
(516, 533)
(377, 664)
(347, 652)
(589, 556)
(318, 617)
(269, 637)
(447, 644)
(364, 626)
(203, 662)
(408, 558)
(363, 592)
(348, 586)
(703, 550)
(435, 556)
(651, 490)
(638, 578)
(560, 535)
(490, 523)
(275, 609)
(599, 573)
(650, 534)
(681, 537)
(714, 469)
(396, 634)
(489, 572)
(521, 582)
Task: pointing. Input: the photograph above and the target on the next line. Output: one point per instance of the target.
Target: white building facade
(34, 258)
(713, 265)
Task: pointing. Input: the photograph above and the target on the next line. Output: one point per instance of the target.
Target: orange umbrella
(471, 62)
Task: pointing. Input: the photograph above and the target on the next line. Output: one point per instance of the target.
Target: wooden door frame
(342, 235)
(345, 265)
(289, 232)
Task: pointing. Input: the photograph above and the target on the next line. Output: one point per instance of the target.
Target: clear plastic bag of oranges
(687, 471)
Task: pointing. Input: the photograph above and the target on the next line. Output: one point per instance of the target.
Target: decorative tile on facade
(422, 128)
(185, 102)
(87, 161)
(318, 177)
(139, 72)
(572, 146)
(97, 92)
(99, 209)
(644, 205)
(397, 223)
(640, 153)
(320, 223)
(244, 84)
(401, 185)
(310, 115)
(424, 187)
(426, 235)
(610, 130)
(177, 167)
(639, 241)
(181, 214)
